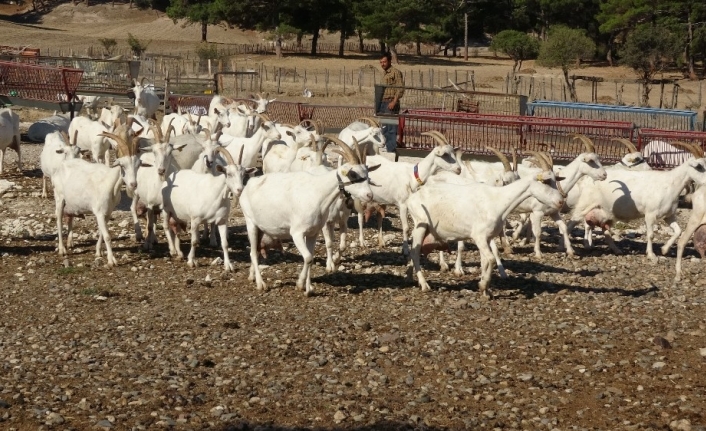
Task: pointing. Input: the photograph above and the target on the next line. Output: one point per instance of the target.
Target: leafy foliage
(108, 45)
(517, 45)
(137, 46)
(648, 50)
(565, 48)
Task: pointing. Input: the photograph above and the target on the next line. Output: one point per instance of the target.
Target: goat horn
(501, 156)
(170, 129)
(438, 137)
(362, 150)
(156, 130)
(587, 143)
(696, 151)
(626, 142)
(442, 136)
(345, 151)
(122, 149)
(541, 160)
(319, 125)
(370, 121)
(226, 155)
(65, 136)
(514, 159)
(142, 81)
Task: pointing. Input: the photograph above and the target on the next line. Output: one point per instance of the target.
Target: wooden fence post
(166, 93)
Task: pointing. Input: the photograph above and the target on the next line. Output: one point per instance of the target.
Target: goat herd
(189, 169)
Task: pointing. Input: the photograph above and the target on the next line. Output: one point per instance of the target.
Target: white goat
(585, 164)
(297, 205)
(91, 137)
(81, 187)
(697, 220)
(242, 117)
(146, 100)
(363, 131)
(9, 136)
(435, 211)
(196, 197)
(633, 160)
(157, 164)
(251, 146)
(628, 195)
(468, 176)
(398, 180)
(57, 148)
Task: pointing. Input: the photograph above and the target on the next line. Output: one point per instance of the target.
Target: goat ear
(179, 147)
(372, 168)
(558, 178)
(220, 168)
(250, 171)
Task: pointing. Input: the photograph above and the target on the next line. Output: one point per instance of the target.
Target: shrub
(108, 45)
(137, 46)
(208, 51)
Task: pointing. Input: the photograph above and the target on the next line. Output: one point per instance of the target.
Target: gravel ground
(598, 342)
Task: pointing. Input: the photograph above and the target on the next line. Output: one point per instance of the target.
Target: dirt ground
(593, 343)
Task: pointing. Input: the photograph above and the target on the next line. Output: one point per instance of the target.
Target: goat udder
(430, 244)
(700, 240)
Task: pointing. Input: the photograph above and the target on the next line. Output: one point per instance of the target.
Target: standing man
(390, 103)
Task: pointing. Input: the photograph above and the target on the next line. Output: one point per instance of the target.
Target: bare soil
(598, 342)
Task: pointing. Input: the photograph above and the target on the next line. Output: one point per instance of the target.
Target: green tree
(397, 21)
(517, 45)
(203, 12)
(648, 50)
(565, 48)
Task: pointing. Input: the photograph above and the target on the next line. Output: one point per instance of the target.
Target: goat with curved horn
(438, 137)
(628, 144)
(697, 151)
(587, 142)
(543, 164)
(502, 157)
(344, 151)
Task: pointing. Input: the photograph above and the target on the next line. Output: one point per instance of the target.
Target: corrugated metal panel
(641, 117)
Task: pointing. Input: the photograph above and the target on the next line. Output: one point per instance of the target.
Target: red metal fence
(42, 83)
(473, 132)
(655, 145)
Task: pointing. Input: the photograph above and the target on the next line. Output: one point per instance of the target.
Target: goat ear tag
(540, 177)
(344, 172)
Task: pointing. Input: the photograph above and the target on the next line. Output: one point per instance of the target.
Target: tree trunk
(314, 41)
(572, 89)
(278, 44)
(646, 91)
(419, 48)
(300, 36)
(393, 52)
(361, 44)
(609, 54)
(382, 47)
(689, 56)
(342, 44)
(204, 30)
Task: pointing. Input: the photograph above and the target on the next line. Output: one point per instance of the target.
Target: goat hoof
(459, 273)
(309, 293)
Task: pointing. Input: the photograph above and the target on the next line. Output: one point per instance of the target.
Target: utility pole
(464, 5)
(465, 34)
